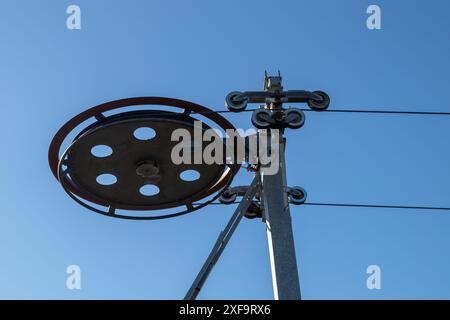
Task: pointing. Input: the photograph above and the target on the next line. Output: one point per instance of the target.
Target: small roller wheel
(297, 195)
(295, 118)
(227, 198)
(319, 105)
(233, 103)
(262, 119)
(254, 211)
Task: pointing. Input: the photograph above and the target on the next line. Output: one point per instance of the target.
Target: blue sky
(199, 51)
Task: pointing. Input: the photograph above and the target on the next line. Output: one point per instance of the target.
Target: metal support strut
(223, 239)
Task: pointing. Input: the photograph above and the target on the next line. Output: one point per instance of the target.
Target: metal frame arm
(283, 96)
(223, 239)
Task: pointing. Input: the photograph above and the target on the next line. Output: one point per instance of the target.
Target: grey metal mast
(283, 262)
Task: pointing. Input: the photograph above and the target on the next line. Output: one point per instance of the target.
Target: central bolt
(147, 169)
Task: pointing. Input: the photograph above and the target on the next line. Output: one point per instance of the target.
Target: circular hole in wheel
(101, 151)
(190, 175)
(149, 190)
(106, 179)
(144, 133)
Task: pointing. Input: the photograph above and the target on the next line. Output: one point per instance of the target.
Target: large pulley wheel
(123, 163)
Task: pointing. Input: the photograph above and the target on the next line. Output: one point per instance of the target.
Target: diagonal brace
(223, 239)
